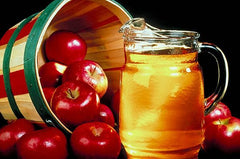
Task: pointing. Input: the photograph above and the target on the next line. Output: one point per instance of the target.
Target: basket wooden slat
(96, 21)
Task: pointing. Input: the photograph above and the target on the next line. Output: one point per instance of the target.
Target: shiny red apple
(51, 73)
(47, 143)
(95, 140)
(89, 72)
(48, 93)
(223, 135)
(221, 111)
(75, 103)
(65, 47)
(105, 115)
(10, 134)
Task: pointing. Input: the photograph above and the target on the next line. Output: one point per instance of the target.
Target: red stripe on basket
(18, 84)
(24, 32)
(4, 40)
(26, 29)
(2, 87)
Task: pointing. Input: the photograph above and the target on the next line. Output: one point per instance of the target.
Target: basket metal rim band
(30, 63)
(123, 9)
(30, 67)
(6, 69)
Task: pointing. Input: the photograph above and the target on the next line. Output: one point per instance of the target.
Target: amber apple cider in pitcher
(162, 104)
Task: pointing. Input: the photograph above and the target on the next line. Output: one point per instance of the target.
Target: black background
(216, 22)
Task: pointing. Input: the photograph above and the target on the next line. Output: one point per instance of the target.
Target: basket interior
(98, 23)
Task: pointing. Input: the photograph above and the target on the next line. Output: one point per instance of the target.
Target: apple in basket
(65, 47)
(89, 72)
(105, 114)
(51, 73)
(75, 103)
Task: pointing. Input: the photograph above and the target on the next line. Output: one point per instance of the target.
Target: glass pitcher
(162, 103)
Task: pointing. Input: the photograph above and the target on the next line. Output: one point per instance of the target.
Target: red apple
(65, 47)
(95, 140)
(10, 134)
(50, 74)
(223, 135)
(220, 112)
(48, 93)
(75, 103)
(48, 143)
(105, 115)
(89, 72)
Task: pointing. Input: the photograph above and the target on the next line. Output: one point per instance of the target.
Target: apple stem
(71, 94)
(93, 71)
(96, 131)
(220, 122)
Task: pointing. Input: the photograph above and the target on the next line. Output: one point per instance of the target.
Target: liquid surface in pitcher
(162, 105)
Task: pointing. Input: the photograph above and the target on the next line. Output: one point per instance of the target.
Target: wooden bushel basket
(22, 53)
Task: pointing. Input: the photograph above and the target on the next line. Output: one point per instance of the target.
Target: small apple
(10, 134)
(48, 93)
(221, 111)
(89, 72)
(50, 74)
(47, 143)
(75, 103)
(65, 47)
(105, 115)
(95, 140)
(223, 135)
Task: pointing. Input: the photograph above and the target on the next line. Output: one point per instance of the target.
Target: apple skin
(10, 134)
(48, 93)
(89, 72)
(75, 103)
(223, 136)
(65, 47)
(221, 111)
(105, 115)
(51, 73)
(48, 143)
(95, 140)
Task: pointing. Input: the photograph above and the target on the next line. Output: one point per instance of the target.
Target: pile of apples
(72, 85)
(222, 133)
(73, 88)
(24, 140)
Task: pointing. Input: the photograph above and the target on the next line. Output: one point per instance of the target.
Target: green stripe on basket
(6, 69)
(30, 67)
(30, 64)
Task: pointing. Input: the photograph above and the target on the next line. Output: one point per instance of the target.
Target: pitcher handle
(223, 75)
